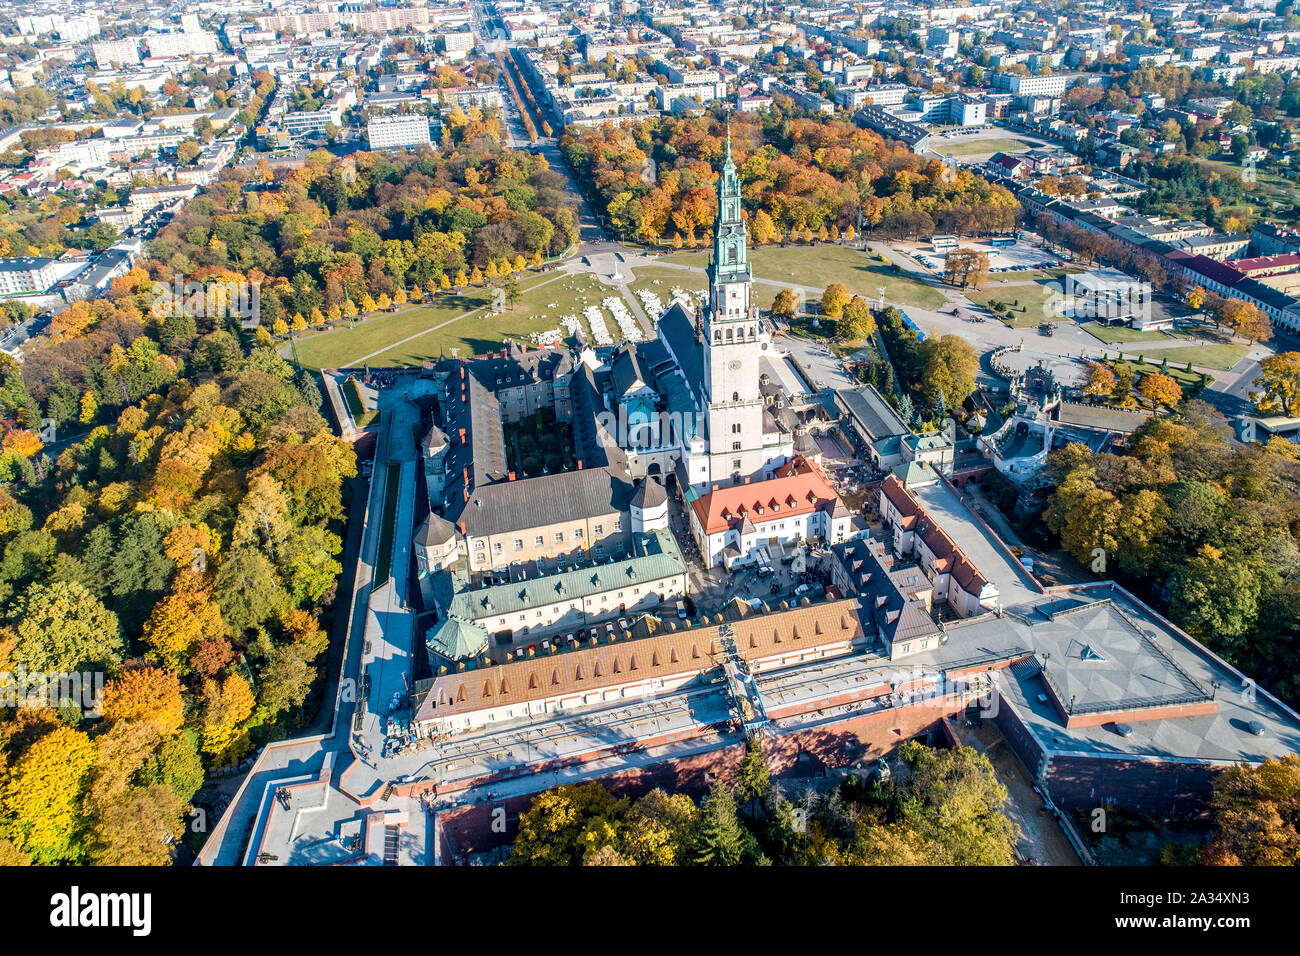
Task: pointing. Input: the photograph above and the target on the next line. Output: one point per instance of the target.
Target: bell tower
(732, 343)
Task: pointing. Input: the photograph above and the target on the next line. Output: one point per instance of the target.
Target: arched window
(735, 396)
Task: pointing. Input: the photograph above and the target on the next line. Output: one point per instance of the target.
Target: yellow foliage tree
(44, 791)
(150, 694)
(89, 408)
(191, 546)
(1160, 389)
(225, 707)
(184, 616)
(21, 442)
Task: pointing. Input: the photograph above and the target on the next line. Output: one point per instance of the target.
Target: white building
(110, 53)
(182, 44)
(392, 132)
(735, 526)
(26, 275)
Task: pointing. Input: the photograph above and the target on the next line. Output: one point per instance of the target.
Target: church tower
(732, 345)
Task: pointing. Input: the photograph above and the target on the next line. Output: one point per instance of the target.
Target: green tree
(722, 839)
(753, 779)
(948, 365)
(61, 628)
(953, 799)
(248, 590)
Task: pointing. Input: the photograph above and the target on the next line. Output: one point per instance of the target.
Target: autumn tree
(151, 695)
(130, 821)
(43, 795)
(1279, 384)
(1244, 319)
(1256, 809)
(966, 267)
(857, 321)
(834, 299)
(1100, 380)
(784, 304)
(1160, 389)
(948, 366)
(224, 707)
(185, 616)
(562, 826)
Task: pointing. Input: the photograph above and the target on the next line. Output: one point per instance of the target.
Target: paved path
(647, 324)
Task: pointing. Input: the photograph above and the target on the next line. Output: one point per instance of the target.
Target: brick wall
(1157, 789)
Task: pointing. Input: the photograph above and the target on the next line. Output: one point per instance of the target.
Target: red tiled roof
(1283, 260)
(798, 488)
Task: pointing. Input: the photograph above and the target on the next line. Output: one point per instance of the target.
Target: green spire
(730, 259)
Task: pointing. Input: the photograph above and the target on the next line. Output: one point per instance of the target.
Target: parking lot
(1024, 256)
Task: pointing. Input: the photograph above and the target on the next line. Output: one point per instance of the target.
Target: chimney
(511, 476)
(579, 464)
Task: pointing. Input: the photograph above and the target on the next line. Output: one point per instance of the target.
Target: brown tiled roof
(664, 654)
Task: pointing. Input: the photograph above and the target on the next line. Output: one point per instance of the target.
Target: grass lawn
(341, 347)
(356, 407)
(1009, 280)
(1122, 334)
(1190, 381)
(1031, 298)
(819, 266)
(981, 147)
(1207, 356)
(545, 299)
(384, 560)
